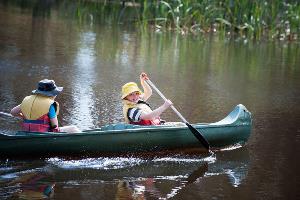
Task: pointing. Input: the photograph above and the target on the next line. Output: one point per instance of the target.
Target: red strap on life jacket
(147, 122)
(41, 124)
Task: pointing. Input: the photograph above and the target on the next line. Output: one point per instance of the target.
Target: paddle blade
(199, 136)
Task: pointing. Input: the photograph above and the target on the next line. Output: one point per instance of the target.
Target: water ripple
(121, 162)
(96, 163)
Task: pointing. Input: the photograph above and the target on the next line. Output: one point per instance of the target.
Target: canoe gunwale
(29, 135)
(247, 121)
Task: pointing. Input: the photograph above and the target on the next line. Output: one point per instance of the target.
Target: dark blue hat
(48, 88)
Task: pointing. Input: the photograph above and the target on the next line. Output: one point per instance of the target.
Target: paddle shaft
(6, 114)
(164, 98)
(195, 132)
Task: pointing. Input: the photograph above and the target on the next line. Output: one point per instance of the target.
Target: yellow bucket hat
(129, 88)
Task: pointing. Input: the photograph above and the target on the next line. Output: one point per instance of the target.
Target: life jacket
(144, 107)
(35, 109)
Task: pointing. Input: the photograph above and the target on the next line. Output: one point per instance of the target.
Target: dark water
(204, 77)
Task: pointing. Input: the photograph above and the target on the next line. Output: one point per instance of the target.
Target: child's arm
(157, 112)
(147, 89)
(16, 111)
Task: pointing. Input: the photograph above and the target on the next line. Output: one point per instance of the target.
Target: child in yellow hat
(135, 108)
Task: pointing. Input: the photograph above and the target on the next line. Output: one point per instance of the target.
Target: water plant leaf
(245, 26)
(223, 21)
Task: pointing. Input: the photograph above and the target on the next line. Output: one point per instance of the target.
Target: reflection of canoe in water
(127, 139)
(168, 174)
(235, 161)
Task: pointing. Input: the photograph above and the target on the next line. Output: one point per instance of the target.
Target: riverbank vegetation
(256, 19)
(250, 19)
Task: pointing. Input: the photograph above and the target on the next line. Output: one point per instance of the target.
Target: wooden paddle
(195, 132)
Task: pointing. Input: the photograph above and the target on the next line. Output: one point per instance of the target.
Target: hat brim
(52, 93)
(125, 95)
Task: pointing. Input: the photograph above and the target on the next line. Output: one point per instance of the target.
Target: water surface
(204, 77)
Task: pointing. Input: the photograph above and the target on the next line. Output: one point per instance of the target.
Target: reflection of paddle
(196, 133)
(190, 180)
(197, 173)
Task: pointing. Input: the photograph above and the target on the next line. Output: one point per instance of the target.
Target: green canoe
(126, 139)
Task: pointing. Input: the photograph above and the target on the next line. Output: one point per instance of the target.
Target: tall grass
(256, 19)
(247, 18)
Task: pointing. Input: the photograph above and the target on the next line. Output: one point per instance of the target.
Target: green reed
(256, 19)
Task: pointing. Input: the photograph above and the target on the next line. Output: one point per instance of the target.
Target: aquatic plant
(255, 19)
(247, 18)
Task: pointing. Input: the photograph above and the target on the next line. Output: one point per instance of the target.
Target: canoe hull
(112, 139)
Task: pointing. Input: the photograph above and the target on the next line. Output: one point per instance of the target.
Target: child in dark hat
(39, 110)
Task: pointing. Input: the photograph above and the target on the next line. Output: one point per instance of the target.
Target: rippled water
(204, 77)
(163, 178)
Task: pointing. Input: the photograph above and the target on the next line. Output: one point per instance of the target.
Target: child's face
(133, 97)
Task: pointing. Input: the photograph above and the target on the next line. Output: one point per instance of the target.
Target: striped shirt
(134, 114)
